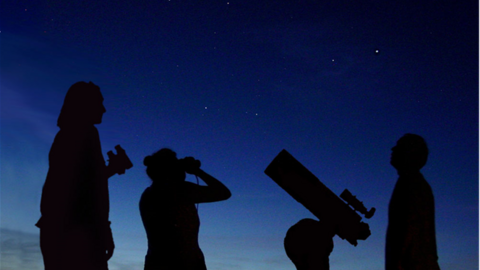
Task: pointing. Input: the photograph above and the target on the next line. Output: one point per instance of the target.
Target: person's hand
(120, 162)
(116, 165)
(109, 252)
(109, 244)
(113, 169)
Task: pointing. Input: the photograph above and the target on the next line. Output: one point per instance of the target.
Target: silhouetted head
(410, 153)
(164, 166)
(83, 105)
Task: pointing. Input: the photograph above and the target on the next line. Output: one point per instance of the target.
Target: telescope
(307, 189)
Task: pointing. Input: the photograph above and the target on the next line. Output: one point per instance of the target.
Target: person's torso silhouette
(172, 225)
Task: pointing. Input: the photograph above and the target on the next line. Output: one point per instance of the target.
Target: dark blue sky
(233, 83)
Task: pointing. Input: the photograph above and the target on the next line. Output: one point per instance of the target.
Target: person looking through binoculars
(169, 214)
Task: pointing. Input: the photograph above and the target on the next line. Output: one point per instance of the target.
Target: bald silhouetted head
(409, 154)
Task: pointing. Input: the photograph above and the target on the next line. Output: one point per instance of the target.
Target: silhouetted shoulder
(76, 139)
(153, 197)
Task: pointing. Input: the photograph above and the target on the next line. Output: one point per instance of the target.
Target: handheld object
(120, 160)
(189, 164)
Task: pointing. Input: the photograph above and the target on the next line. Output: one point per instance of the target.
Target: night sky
(232, 83)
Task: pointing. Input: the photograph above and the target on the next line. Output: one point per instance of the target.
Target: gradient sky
(232, 83)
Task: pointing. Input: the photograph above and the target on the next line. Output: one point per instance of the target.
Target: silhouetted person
(168, 211)
(411, 215)
(309, 243)
(74, 227)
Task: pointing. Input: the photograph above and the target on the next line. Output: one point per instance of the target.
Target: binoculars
(120, 160)
(189, 163)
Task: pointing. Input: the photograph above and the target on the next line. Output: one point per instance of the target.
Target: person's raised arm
(214, 191)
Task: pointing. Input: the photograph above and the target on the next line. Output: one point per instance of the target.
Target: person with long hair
(169, 214)
(74, 225)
